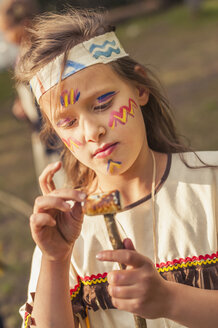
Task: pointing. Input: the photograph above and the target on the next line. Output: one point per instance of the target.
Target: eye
(103, 107)
(70, 123)
(66, 123)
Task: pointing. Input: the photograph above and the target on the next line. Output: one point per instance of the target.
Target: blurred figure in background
(15, 19)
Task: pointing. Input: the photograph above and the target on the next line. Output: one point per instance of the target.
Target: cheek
(121, 117)
(71, 143)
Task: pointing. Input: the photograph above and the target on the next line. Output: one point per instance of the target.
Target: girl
(118, 134)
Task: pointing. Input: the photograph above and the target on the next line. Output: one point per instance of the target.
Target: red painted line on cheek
(71, 143)
(122, 116)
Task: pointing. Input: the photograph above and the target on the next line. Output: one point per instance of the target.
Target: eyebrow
(60, 113)
(106, 96)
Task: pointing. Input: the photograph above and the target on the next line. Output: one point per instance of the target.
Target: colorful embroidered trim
(187, 262)
(87, 319)
(94, 279)
(28, 320)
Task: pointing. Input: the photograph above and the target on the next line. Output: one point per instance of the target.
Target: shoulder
(195, 168)
(196, 159)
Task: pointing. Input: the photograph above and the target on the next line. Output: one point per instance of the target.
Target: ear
(143, 95)
(142, 91)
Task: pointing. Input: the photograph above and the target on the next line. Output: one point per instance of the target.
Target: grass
(17, 178)
(182, 50)
(183, 53)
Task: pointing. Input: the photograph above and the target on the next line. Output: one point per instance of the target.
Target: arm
(52, 304)
(55, 227)
(192, 307)
(141, 290)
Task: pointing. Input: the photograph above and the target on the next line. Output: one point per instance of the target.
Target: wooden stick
(116, 243)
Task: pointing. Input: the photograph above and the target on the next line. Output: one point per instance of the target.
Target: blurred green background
(182, 49)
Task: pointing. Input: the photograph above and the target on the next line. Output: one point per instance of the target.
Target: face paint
(69, 98)
(122, 115)
(106, 96)
(71, 142)
(63, 122)
(111, 164)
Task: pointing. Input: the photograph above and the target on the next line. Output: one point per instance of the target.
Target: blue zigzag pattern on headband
(75, 68)
(106, 53)
(93, 46)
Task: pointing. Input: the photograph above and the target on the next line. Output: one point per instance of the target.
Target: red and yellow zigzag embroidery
(187, 262)
(122, 115)
(28, 320)
(93, 279)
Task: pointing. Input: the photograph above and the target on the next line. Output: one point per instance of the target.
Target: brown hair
(54, 34)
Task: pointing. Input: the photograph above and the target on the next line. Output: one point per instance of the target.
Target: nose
(93, 129)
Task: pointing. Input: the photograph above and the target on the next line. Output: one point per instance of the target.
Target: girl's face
(98, 117)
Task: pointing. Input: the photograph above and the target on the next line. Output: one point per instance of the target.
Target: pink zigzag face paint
(69, 98)
(112, 164)
(122, 115)
(71, 142)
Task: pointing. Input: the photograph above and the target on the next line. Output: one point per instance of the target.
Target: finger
(76, 211)
(126, 292)
(40, 220)
(128, 257)
(45, 203)
(69, 194)
(123, 277)
(128, 305)
(46, 178)
(128, 244)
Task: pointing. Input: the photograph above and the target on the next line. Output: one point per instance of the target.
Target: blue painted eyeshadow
(105, 97)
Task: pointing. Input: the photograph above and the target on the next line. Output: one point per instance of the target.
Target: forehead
(88, 81)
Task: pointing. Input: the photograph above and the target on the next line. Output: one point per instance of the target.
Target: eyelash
(103, 107)
(68, 125)
(100, 108)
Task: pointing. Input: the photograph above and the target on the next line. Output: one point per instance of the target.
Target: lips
(105, 151)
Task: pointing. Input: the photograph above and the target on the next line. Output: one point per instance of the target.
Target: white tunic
(186, 211)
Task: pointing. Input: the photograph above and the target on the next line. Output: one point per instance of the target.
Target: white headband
(100, 49)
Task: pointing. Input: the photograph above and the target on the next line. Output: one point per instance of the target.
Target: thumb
(128, 244)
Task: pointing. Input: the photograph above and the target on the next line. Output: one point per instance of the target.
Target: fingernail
(99, 256)
(82, 195)
(56, 164)
(67, 206)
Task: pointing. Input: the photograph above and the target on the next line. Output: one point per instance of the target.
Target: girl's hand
(55, 225)
(138, 289)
